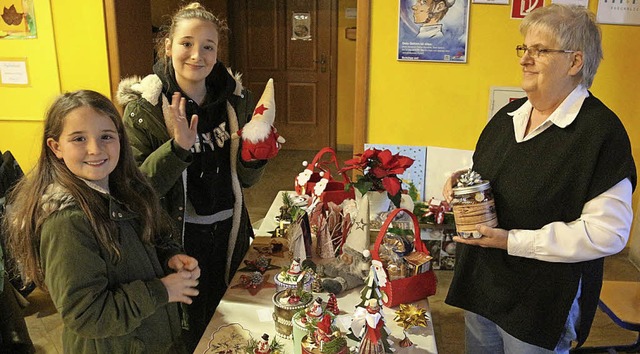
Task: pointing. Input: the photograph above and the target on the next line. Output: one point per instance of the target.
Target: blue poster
(433, 30)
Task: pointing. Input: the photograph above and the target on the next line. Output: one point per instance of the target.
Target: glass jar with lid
(473, 205)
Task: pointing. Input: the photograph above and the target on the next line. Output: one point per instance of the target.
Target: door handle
(322, 62)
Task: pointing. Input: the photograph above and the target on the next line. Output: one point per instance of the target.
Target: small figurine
(372, 340)
(260, 139)
(263, 345)
(294, 268)
(315, 310)
(332, 304)
(323, 331)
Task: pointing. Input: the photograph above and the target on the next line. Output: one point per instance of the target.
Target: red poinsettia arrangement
(380, 170)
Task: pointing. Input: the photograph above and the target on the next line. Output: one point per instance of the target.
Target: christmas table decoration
(331, 224)
(380, 170)
(332, 304)
(286, 303)
(368, 324)
(274, 248)
(473, 204)
(325, 339)
(262, 346)
(253, 282)
(316, 180)
(288, 278)
(411, 283)
(306, 320)
(299, 237)
(260, 264)
(260, 139)
(410, 316)
(435, 211)
(292, 207)
(345, 272)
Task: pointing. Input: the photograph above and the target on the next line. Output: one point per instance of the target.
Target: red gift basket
(412, 288)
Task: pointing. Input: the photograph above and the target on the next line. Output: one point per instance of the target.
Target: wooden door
(264, 45)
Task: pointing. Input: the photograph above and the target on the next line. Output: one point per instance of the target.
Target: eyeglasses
(535, 52)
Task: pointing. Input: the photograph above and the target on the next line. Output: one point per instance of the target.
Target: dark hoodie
(208, 177)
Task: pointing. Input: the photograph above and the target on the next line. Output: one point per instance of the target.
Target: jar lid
(484, 185)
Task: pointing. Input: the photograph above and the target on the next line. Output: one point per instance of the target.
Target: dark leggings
(208, 244)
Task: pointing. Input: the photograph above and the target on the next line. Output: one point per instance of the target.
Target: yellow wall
(69, 53)
(346, 77)
(442, 104)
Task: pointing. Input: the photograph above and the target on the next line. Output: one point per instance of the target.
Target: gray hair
(575, 28)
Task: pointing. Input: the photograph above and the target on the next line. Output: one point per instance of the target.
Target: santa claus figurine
(260, 139)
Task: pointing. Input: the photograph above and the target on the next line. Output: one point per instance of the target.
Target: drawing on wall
(18, 20)
(433, 30)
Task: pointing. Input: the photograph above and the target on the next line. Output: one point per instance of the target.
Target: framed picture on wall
(18, 20)
(425, 34)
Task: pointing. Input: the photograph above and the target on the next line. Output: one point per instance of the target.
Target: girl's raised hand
(177, 124)
(180, 286)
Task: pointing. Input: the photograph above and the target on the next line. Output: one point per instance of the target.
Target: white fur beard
(256, 131)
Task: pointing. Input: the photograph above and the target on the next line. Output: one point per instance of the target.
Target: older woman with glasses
(560, 166)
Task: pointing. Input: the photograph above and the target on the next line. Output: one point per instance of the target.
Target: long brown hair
(25, 213)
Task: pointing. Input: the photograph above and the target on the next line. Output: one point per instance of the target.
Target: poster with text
(618, 12)
(433, 30)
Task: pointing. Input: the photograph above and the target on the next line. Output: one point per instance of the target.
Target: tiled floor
(45, 325)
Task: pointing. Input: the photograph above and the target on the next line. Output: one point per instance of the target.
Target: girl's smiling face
(89, 145)
(193, 51)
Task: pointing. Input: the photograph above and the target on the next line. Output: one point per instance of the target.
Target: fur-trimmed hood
(150, 87)
(56, 198)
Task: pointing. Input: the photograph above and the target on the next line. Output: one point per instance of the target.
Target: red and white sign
(520, 8)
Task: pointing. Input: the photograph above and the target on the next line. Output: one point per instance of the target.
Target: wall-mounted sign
(301, 26)
(618, 12)
(520, 8)
(13, 72)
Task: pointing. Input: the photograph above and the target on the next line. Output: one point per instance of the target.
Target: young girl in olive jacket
(84, 224)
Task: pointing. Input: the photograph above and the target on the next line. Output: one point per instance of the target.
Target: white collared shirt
(604, 225)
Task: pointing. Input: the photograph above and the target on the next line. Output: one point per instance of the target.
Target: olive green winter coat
(165, 163)
(106, 306)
